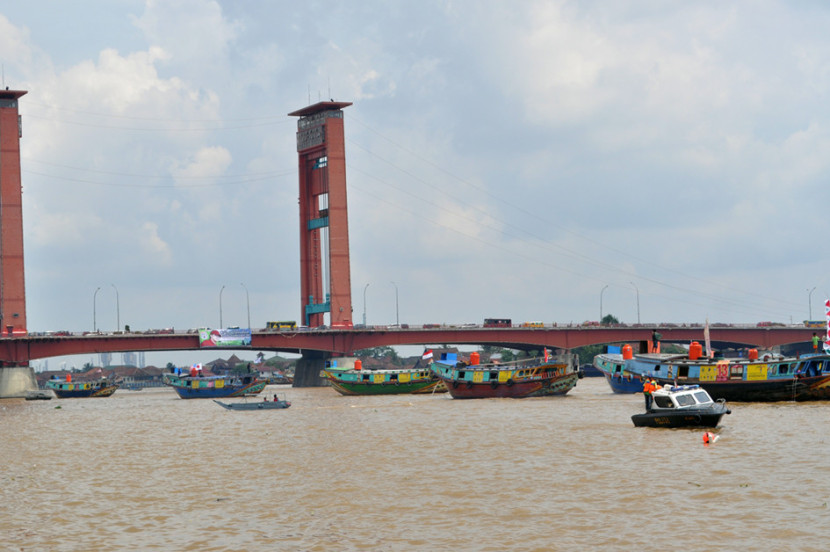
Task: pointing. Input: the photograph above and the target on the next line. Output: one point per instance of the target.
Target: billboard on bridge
(225, 337)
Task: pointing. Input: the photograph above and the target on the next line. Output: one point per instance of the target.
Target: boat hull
(264, 405)
(784, 379)
(80, 390)
(383, 382)
(507, 381)
(708, 417)
(214, 387)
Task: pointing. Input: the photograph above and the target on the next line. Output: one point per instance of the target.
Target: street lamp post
(220, 306)
(810, 301)
(117, 309)
(397, 315)
(638, 301)
(600, 302)
(364, 303)
(94, 310)
(247, 303)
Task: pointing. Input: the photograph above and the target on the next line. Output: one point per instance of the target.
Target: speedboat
(682, 406)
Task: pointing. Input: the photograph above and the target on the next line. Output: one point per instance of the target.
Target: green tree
(608, 320)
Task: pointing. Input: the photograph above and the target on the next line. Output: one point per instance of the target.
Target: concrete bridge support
(307, 372)
(17, 381)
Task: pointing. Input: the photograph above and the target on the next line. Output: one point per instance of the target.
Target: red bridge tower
(12, 284)
(324, 223)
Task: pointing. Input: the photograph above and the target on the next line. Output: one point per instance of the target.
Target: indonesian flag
(427, 355)
(827, 335)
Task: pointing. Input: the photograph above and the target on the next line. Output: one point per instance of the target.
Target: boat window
(494, 376)
(736, 371)
(683, 371)
(393, 377)
(462, 374)
(663, 402)
(703, 397)
(365, 377)
(783, 369)
(685, 400)
(657, 368)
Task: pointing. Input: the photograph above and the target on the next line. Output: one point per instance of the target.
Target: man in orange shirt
(648, 387)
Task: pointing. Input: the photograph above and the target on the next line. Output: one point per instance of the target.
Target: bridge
(325, 294)
(18, 350)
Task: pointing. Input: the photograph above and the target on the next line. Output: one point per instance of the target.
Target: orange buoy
(628, 352)
(358, 364)
(695, 350)
(709, 438)
(475, 358)
(753, 354)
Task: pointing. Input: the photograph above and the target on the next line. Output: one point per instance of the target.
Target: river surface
(145, 470)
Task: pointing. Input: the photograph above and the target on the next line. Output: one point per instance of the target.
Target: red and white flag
(547, 354)
(708, 340)
(427, 355)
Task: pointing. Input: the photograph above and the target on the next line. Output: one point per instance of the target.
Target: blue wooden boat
(770, 378)
(214, 387)
(68, 389)
(619, 379)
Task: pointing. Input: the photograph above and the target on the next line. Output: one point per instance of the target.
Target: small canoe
(254, 405)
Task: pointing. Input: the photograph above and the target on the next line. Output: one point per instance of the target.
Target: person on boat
(815, 342)
(648, 387)
(275, 398)
(655, 341)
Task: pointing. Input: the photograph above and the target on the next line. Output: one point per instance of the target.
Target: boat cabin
(683, 396)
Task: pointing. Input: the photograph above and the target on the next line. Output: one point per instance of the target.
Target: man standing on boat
(648, 387)
(815, 342)
(655, 341)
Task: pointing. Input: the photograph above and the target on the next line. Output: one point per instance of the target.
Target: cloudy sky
(504, 159)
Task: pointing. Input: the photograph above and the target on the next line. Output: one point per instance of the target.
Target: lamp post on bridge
(810, 301)
(247, 303)
(117, 309)
(220, 306)
(364, 304)
(600, 302)
(94, 310)
(397, 315)
(638, 301)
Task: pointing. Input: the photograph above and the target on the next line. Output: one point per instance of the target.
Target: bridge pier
(17, 381)
(307, 371)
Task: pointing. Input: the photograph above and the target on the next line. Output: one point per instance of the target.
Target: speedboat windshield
(703, 397)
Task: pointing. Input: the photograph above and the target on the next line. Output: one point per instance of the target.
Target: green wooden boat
(356, 381)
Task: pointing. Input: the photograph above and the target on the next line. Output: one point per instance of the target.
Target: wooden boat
(619, 379)
(68, 389)
(276, 404)
(526, 378)
(351, 379)
(682, 406)
(38, 395)
(214, 387)
(736, 379)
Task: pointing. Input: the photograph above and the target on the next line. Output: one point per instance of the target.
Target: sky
(660, 161)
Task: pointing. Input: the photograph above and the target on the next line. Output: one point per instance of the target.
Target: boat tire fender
(455, 385)
(510, 382)
(494, 384)
(469, 385)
